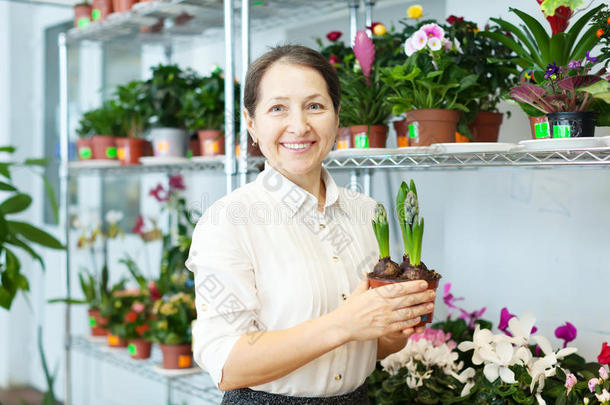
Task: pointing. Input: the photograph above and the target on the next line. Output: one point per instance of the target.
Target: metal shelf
(203, 18)
(401, 159)
(199, 385)
(77, 168)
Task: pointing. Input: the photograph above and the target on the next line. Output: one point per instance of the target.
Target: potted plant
(165, 91)
(563, 97)
(171, 329)
(204, 112)
(136, 111)
(104, 124)
(119, 6)
(82, 14)
(84, 143)
(431, 88)
(385, 269)
(535, 49)
(115, 307)
(491, 60)
(101, 9)
(364, 107)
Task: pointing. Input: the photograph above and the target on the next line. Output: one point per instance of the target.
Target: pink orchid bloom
(566, 332)
(364, 49)
(593, 382)
(159, 193)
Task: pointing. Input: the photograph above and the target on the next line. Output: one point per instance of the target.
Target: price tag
(85, 153)
(113, 340)
(121, 153)
(111, 152)
(402, 141)
(561, 131)
(414, 131)
(96, 14)
(342, 145)
(162, 148)
(361, 140)
(210, 147)
(131, 348)
(83, 22)
(541, 130)
(92, 322)
(185, 361)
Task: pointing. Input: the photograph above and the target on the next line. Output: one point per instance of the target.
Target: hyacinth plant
(461, 362)
(411, 225)
(385, 267)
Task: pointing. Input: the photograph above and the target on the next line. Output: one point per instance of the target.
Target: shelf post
(367, 182)
(245, 62)
(368, 15)
(64, 180)
(353, 19)
(229, 96)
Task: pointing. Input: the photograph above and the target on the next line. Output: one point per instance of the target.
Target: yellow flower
(162, 325)
(476, 29)
(380, 30)
(168, 309)
(415, 11)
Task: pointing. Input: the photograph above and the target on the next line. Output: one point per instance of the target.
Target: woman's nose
(298, 123)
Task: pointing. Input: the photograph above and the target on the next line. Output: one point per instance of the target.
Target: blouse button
(322, 226)
(338, 377)
(336, 259)
(204, 307)
(344, 297)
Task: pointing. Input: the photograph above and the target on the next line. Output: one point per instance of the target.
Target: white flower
(419, 40)
(545, 367)
(114, 217)
(497, 362)
(604, 396)
(481, 338)
(434, 44)
(409, 48)
(465, 377)
(603, 373)
(447, 44)
(522, 328)
(541, 400)
(458, 47)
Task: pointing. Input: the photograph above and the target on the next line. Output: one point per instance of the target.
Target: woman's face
(295, 122)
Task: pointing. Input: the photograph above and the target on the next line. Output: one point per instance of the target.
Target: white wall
(522, 238)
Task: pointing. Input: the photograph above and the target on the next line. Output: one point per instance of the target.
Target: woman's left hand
(395, 341)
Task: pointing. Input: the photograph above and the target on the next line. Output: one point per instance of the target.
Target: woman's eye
(316, 106)
(276, 108)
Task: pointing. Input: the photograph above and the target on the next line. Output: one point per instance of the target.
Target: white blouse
(265, 258)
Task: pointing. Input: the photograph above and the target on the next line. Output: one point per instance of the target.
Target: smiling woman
(284, 310)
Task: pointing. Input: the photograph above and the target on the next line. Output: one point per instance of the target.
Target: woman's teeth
(297, 145)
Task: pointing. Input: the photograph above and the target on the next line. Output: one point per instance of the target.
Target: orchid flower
(364, 49)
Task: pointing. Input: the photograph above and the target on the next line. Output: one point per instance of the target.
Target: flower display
(173, 315)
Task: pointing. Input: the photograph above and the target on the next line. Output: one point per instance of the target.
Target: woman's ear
(249, 124)
(338, 112)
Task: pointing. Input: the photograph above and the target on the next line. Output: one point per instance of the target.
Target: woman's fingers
(400, 289)
(411, 312)
(413, 299)
(402, 325)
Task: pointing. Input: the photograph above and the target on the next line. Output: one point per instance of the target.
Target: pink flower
(419, 40)
(333, 60)
(138, 228)
(593, 382)
(603, 397)
(448, 298)
(447, 44)
(433, 31)
(566, 332)
(176, 182)
(138, 307)
(154, 291)
(159, 193)
(416, 337)
(334, 35)
(472, 317)
(570, 382)
(505, 316)
(364, 49)
(603, 373)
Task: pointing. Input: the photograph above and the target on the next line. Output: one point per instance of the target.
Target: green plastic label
(83, 22)
(92, 322)
(414, 130)
(96, 14)
(189, 153)
(132, 349)
(541, 130)
(561, 131)
(85, 153)
(362, 141)
(111, 152)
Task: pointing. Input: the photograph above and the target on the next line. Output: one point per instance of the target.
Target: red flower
(154, 291)
(176, 182)
(453, 19)
(138, 228)
(372, 26)
(604, 356)
(333, 60)
(334, 35)
(159, 193)
(131, 317)
(560, 21)
(142, 328)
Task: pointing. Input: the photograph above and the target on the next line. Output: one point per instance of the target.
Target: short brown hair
(298, 55)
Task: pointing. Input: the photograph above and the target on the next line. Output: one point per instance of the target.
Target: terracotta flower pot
(104, 147)
(211, 142)
(369, 136)
(82, 15)
(84, 148)
(97, 322)
(130, 150)
(375, 282)
(193, 149)
(429, 126)
(486, 126)
(115, 341)
(139, 349)
(344, 138)
(177, 356)
(540, 127)
(120, 6)
(402, 138)
(101, 9)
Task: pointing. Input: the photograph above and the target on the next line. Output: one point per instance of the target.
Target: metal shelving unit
(197, 384)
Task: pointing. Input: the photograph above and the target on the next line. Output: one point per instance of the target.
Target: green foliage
(600, 21)
(173, 317)
(382, 230)
(135, 108)
(411, 227)
(106, 120)
(17, 234)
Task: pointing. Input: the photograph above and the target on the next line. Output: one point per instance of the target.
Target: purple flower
(574, 64)
(551, 70)
(566, 332)
(472, 317)
(505, 316)
(590, 58)
(448, 298)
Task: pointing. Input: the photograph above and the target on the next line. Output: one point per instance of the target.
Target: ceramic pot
(100, 9)
(97, 322)
(486, 126)
(104, 147)
(82, 15)
(368, 136)
(429, 126)
(572, 124)
(84, 148)
(169, 142)
(177, 356)
(540, 127)
(402, 137)
(139, 349)
(130, 150)
(344, 138)
(115, 341)
(211, 142)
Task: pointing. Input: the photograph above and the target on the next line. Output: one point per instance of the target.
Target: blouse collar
(291, 195)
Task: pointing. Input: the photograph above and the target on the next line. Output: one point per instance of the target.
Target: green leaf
(540, 34)
(9, 149)
(533, 50)
(510, 44)
(558, 50)
(50, 192)
(587, 42)
(17, 203)
(36, 162)
(4, 170)
(579, 25)
(13, 240)
(34, 234)
(6, 187)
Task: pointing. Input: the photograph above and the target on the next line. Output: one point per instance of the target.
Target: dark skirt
(246, 396)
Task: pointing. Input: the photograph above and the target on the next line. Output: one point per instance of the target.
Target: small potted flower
(82, 14)
(432, 90)
(102, 125)
(171, 329)
(562, 95)
(135, 110)
(137, 325)
(116, 308)
(364, 108)
(385, 271)
(101, 9)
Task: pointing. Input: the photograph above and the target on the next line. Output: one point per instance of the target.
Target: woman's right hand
(371, 313)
